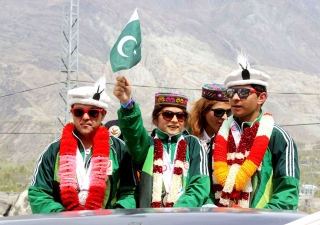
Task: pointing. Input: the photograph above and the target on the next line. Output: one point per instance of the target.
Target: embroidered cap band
(171, 99)
(215, 92)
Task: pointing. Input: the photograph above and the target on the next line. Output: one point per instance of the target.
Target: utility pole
(68, 74)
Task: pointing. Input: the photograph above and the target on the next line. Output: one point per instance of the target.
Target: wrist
(128, 104)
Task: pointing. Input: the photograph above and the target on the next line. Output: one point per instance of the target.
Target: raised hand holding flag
(126, 52)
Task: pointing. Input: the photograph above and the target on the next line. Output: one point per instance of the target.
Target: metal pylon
(68, 74)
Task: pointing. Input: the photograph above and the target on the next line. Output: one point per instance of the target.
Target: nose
(236, 96)
(224, 117)
(174, 118)
(85, 116)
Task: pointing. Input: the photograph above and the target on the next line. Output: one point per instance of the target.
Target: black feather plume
(245, 73)
(96, 96)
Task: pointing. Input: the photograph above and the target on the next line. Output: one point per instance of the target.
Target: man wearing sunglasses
(82, 169)
(174, 165)
(255, 160)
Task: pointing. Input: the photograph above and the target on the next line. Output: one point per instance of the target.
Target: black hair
(259, 87)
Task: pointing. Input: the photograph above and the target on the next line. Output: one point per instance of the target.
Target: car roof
(163, 216)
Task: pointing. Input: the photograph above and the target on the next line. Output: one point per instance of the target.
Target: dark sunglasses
(79, 112)
(242, 92)
(168, 115)
(220, 112)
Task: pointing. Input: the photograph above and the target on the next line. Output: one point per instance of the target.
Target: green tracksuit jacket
(276, 185)
(141, 147)
(44, 191)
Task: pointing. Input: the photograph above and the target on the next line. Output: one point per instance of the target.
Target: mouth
(85, 124)
(173, 127)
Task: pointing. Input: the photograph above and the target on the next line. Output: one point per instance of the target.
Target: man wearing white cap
(82, 169)
(255, 161)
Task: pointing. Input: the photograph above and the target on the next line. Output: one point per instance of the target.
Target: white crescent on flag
(121, 43)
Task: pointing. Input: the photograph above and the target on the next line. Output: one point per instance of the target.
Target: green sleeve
(41, 191)
(195, 193)
(42, 201)
(198, 186)
(286, 172)
(126, 193)
(127, 197)
(285, 195)
(134, 133)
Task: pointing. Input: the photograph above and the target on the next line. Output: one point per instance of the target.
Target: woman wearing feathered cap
(174, 165)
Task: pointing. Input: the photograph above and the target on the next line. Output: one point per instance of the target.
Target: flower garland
(233, 167)
(158, 172)
(98, 175)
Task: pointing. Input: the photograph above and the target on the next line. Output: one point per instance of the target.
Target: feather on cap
(245, 75)
(90, 95)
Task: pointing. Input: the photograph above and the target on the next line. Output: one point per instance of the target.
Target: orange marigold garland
(234, 167)
(67, 170)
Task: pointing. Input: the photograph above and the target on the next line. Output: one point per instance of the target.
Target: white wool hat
(89, 95)
(245, 75)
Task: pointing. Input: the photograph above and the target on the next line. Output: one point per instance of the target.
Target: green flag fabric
(126, 52)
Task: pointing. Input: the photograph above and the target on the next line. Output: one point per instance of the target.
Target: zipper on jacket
(86, 158)
(258, 186)
(169, 146)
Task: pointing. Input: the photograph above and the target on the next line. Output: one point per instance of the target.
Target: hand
(122, 89)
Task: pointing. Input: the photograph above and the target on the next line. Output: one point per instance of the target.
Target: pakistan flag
(126, 52)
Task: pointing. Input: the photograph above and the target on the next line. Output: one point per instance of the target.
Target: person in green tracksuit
(206, 117)
(85, 169)
(255, 161)
(174, 164)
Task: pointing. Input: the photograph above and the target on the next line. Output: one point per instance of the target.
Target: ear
(262, 98)
(155, 122)
(103, 113)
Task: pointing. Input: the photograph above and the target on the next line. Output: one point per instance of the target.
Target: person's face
(214, 122)
(85, 124)
(166, 124)
(247, 109)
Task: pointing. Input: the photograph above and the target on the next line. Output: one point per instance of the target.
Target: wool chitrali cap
(90, 95)
(245, 75)
(214, 92)
(171, 99)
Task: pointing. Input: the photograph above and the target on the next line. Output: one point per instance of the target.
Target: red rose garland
(158, 172)
(67, 170)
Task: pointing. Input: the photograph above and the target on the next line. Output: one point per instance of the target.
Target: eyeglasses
(168, 115)
(220, 112)
(242, 92)
(79, 112)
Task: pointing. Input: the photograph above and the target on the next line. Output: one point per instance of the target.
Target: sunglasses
(168, 115)
(220, 112)
(242, 92)
(79, 112)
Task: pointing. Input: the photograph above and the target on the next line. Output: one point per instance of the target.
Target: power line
(150, 86)
(300, 124)
(32, 89)
(26, 133)
(285, 125)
